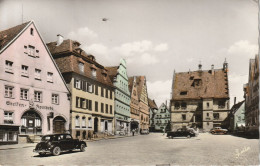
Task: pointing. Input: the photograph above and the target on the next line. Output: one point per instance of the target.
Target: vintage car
(144, 131)
(218, 130)
(57, 143)
(182, 132)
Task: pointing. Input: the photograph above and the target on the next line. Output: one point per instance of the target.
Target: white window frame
(83, 122)
(8, 66)
(24, 94)
(37, 74)
(78, 84)
(9, 91)
(55, 98)
(90, 122)
(81, 67)
(77, 124)
(31, 50)
(38, 96)
(24, 71)
(9, 115)
(49, 77)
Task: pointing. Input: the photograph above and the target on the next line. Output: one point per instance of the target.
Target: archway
(59, 124)
(31, 122)
(96, 124)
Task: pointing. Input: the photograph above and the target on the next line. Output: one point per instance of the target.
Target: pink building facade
(34, 98)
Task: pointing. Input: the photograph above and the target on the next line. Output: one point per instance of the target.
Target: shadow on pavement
(62, 153)
(242, 135)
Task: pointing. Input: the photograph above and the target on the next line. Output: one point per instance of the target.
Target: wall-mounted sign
(17, 104)
(37, 106)
(44, 107)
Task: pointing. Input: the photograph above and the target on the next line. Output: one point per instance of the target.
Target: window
(102, 107)
(207, 104)
(102, 91)
(83, 122)
(77, 122)
(24, 94)
(107, 108)
(177, 105)
(89, 122)
(221, 104)
(89, 88)
(111, 94)
(183, 105)
(207, 114)
(111, 109)
(216, 115)
(96, 89)
(8, 66)
(77, 84)
(183, 117)
(31, 50)
(37, 96)
(9, 91)
(49, 77)
(55, 99)
(81, 67)
(8, 117)
(90, 105)
(93, 72)
(24, 71)
(31, 31)
(37, 74)
(106, 93)
(96, 106)
(183, 93)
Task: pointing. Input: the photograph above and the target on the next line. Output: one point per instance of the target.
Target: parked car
(181, 133)
(144, 131)
(218, 130)
(57, 143)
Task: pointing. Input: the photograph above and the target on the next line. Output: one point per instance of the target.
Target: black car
(57, 143)
(181, 133)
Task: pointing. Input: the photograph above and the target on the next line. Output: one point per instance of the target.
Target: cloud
(243, 47)
(161, 47)
(96, 48)
(159, 91)
(83, 35)
(130, 49)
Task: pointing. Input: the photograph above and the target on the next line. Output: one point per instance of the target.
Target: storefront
(9, 134)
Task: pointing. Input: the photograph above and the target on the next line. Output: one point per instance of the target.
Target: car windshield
(46, 138)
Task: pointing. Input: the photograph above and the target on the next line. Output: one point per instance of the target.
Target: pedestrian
(163, 131)
(133, 132)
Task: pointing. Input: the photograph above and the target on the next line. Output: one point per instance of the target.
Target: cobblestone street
(152, 149)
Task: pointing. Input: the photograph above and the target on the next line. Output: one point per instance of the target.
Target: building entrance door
(59, 125)
(31, 123)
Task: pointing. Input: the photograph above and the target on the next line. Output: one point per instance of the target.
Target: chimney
(59, 39)
(235, 100)
(212, 69)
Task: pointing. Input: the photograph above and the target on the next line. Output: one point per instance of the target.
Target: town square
(113, 82)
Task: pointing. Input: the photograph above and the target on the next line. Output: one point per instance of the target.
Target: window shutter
(92, 88)
(81, 85)
(81, 102)
(90, 105)
(84, 86)
(77, 102)
(86, 104)
(75, 80)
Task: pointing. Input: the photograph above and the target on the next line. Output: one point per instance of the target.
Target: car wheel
(82, 148)
(42, 154)
(56, 151)
(188, 136)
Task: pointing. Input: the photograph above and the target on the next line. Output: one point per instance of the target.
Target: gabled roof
(200, 84)
(140, 81)
(235, 107)
(152, 104)
(112, 72)
(8, 35)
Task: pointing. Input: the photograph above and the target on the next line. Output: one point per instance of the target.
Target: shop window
(49, 77)
(37, 74)
(8, 117)
(55, 98)
(83, 122)
(24, 94)
(24, 71)
(8, 66)
(77, 122)
(37, 96)
(9, 91)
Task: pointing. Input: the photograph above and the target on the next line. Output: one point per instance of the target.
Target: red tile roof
(152, 104)
(67, 56)
(140, 81)
(200, 84)
(6, 36)
(112, 72)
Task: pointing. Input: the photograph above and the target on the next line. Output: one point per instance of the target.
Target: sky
(155, 37)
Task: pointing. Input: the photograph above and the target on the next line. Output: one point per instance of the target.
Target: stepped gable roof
(235, 107)
(6, 36)
(67, 56)
(112, 72)
(200, 84)
(152, 104)
(130, 84)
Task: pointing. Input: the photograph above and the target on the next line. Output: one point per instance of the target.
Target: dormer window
(31, 31)
(81, 67)
(94, 72)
